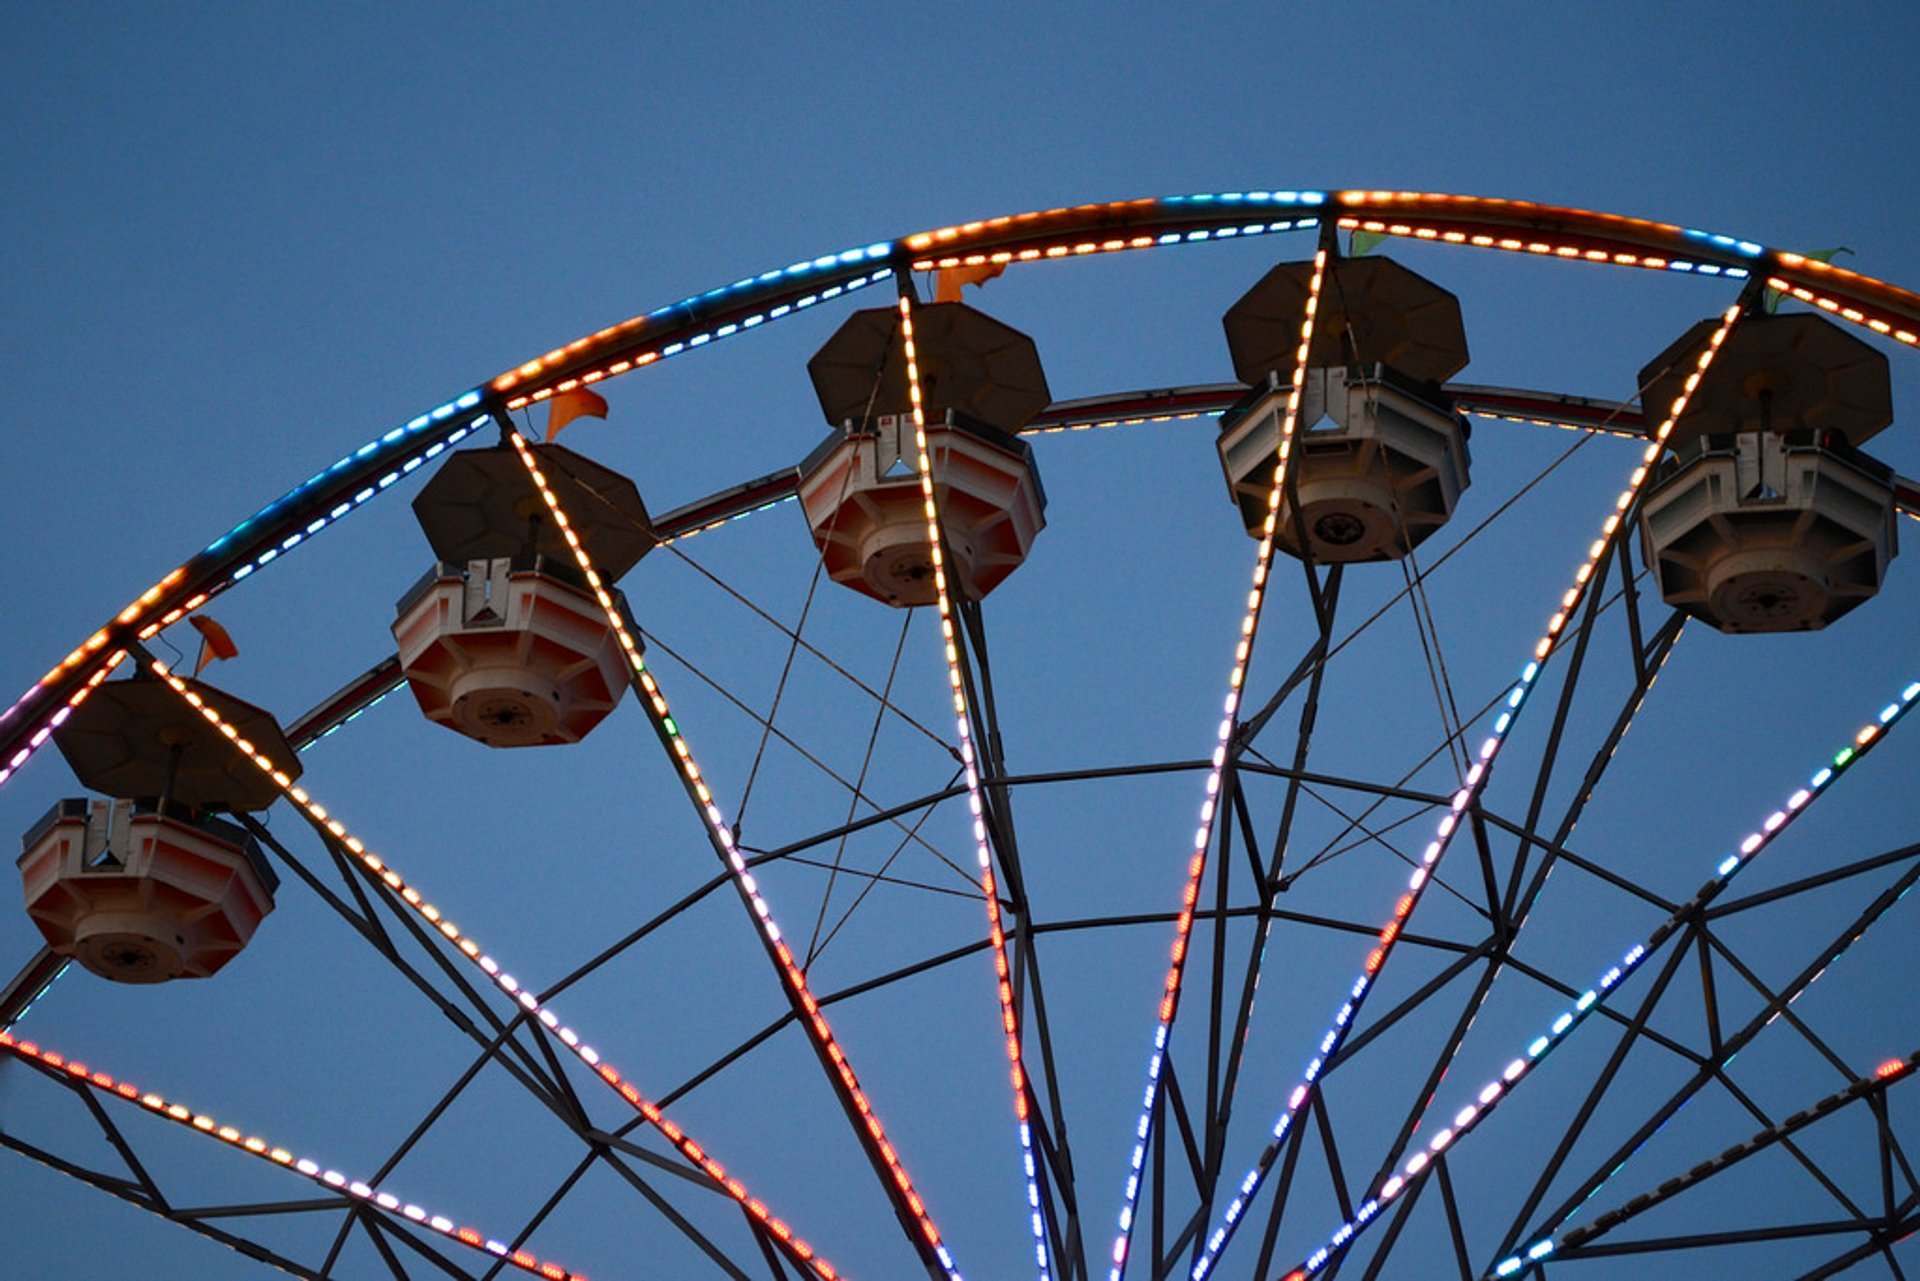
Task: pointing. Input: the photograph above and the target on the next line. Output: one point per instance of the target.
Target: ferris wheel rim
(491, 405)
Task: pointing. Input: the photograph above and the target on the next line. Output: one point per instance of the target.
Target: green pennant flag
(1363, 243)
(1818, 255)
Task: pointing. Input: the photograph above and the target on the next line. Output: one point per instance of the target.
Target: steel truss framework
(1705, 1000)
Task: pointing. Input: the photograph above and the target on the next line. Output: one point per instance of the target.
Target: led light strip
(1836, 307)
(366, 492)
(1469, 792)
(1627, 433)
(1419, 1165)
(1534, 244)
(728, 519)
(1113, 244)
(1203, 832)
(1103, 212)
(1137, 421)
(873, 1136)
(1883, 1077)
(1009, 1008)
(89, 650)
(40, 736)
(560, 355)
(692, 341)
(470, 948)
(37, 997)
(279, 1156)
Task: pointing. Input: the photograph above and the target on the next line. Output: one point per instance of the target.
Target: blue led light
(37, 997)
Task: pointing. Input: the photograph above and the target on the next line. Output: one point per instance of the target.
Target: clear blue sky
(239, 242)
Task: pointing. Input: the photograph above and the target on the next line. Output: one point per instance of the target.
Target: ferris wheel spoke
(1049, 1116)
(882, 697)
(1473, 786)
(394, 886)
(119, 1188)
(853, 803)
(28, 985)
(1228, 746)
(1683, 922)
(354, 1195)
(1510, 910)
(1223, 1071)
(1709, 1072)
(918, 1226)
(465, 1008)
(979, 742)
(1868, 1091)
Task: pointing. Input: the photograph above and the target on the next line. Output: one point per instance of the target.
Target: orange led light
(1552, 249)
(1833, 305)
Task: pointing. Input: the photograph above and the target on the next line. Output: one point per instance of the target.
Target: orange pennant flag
(948, 281)
(214, 642)
(566, 406)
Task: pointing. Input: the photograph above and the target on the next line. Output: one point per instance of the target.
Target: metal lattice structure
(1363, 952)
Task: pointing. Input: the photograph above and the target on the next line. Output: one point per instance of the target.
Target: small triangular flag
(1363, 243)
(214, 642)
(948, 281)
(566, 406)
(1818, 255)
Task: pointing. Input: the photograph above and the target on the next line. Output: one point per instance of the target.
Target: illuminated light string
(1009, 1007)
(89, 650)
(692, 341)
(1419, 1166)
(470, 948)
(1203, 832)
(37, 997)
(1835, 307)
(1534, 244)
(1487, 204)
(1625, 433)
(1112, 244)
(928, 239)
(365, 494)
(873, 1134)
(39, 737)
(306, 1168)
(1137, 421)
(1468, 794)
(560, 355)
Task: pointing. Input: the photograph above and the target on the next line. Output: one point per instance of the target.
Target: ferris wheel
(1228, 829)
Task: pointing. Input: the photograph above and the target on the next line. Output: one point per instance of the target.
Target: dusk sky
(241, 242)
